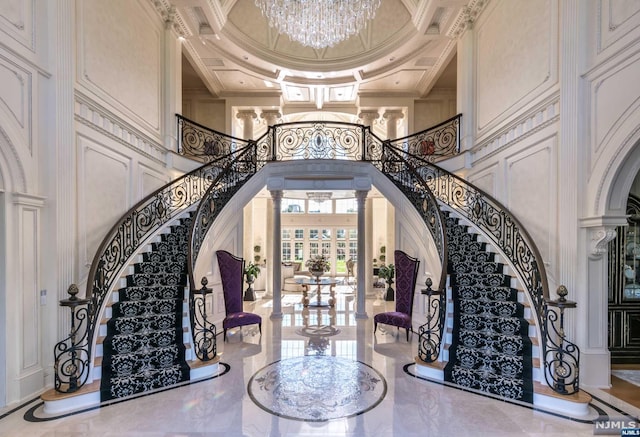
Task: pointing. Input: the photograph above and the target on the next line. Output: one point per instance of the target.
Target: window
(286, 251)
(299, 251)
(295, 206)
(286, 234)
(299, 234)
(324, 207)
(346, 206)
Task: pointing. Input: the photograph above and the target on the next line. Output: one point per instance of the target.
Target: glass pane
(341, 234)
(313, 234)
(299, 251)
(286, 251)
(346, 206)
(299, 234)
(295, 206)
(286, 234)
(314, 249)
(326, 234)
(353, 234)
(353, 250)
(320, 207)
(341, 257)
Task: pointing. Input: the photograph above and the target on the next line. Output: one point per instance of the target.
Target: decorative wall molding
(465, 19)
(18, 176)
(533, 121)
(618, 23)
(172, 17)
(91, 114)
(17, 18)
(514, 72)
(122, 72)
(601, 230)
(16, 95)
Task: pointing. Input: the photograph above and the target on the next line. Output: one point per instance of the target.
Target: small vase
(317, 274)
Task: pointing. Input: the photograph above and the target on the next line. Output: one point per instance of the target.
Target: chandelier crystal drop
(318, 23)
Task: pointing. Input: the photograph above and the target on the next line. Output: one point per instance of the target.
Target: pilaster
(247, 116)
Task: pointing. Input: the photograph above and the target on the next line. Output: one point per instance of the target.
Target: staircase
(490, 347)
(144, 349)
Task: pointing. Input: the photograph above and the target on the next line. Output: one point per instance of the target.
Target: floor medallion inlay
(317, 388)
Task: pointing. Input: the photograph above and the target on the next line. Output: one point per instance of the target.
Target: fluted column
(361, 312)
(368, 116)
(392, 118)
(247, 116)
(271, 116)
(276, 256)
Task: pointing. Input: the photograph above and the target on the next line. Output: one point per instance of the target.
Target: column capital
(246, 115)
(368, 116)
(393, 115)
(361, 195)
(276, 194)
(271, 116)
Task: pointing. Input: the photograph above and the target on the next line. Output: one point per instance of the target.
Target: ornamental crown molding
(465, 19)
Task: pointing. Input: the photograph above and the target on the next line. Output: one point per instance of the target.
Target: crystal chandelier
(318, 23)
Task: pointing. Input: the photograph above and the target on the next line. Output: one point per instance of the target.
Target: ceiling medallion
(318, 23)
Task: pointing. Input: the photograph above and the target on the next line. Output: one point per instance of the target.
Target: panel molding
(16, 98)
(612, 33)
(19, 27)
(529, 123)
(98, 118)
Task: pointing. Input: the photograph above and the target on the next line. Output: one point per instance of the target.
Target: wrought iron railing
(407, 162)
(392, 163)
(132, 231)
(435, 143)
(512, 239)
(204, 144)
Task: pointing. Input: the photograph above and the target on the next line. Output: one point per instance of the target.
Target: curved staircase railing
(122, 241)
(407, 162)
(561, 357)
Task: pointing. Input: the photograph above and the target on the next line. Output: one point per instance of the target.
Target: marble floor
(245, 402)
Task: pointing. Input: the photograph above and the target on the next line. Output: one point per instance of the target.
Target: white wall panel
(17, 21)
(123, 70)
(486, 181)
(619, 23)
(30, 317)
(149, 180)
(15, 97)
(515, 58)
(531, 187)
(104, 195)
(612, 95)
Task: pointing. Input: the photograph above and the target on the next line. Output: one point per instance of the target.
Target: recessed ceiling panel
(401, 81)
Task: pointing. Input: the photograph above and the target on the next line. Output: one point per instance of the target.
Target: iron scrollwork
(72, 354)
(317, 140)
(204, 144)
(435, 143)
(561, 357)
(430, 333)
(204, 332)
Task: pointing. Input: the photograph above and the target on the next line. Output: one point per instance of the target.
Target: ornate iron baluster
(204, 332)
(561, 357)
(71, 368)
(437, 142)
(430, 334)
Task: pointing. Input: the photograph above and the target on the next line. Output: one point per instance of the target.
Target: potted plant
(251, 271)
(387, 273)
(317, 265)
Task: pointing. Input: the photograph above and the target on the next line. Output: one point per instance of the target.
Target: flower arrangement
(318, 263)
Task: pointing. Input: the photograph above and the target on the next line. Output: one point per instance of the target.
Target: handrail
(137, 225)
(437, 142)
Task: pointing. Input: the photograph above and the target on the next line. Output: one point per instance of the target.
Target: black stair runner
(490, 349)
(144, 348)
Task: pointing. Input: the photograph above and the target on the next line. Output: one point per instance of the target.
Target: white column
(276, 287)
(361, 312)
(368, 116)
(271, 116)
(172, 83)
(247, 116)
(392, 118)
(465, 85)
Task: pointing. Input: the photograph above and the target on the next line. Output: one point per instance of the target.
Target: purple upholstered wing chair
(406, 276)
(232, 273)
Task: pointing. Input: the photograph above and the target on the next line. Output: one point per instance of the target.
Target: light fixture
(319, 196)
(318, 23)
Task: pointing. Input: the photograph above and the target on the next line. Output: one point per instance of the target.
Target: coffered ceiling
(402, 53)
